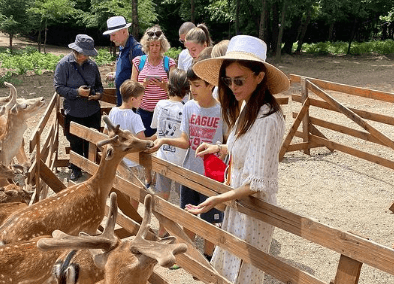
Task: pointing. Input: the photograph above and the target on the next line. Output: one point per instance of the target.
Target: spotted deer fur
(80, 207)
(128, 261)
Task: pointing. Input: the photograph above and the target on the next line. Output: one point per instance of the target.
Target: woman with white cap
(257, 129)
(77, 79)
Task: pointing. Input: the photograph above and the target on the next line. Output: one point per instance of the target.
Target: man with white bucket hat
(118, 31)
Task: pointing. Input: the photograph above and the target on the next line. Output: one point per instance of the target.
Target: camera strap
(79, 72)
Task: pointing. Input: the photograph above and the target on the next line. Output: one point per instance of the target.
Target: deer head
(124, 140)
(14, 193)
(13, 123)
(130, 261)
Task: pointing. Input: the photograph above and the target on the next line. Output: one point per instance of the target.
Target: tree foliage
(14, 17)
(301, 21)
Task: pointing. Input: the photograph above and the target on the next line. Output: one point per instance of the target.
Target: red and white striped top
(153, 93)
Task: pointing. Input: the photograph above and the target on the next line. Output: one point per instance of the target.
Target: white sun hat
(243, 47)
(116, 23)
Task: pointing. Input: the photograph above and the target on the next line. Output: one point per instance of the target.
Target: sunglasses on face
(237, 81)
(156, 33)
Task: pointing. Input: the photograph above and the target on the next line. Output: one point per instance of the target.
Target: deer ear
(109, 154)
(14, 109)
(23, 106)
(99, 259)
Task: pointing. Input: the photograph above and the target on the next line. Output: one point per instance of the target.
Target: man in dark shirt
(128, 49)
(77, 80)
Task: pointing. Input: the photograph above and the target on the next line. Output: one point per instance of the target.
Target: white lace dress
(254, 161)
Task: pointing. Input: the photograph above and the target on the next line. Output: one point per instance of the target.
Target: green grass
(29, 59)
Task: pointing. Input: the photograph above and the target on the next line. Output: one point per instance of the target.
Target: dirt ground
(334, 188)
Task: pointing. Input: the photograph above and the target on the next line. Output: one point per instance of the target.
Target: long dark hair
(260, 96)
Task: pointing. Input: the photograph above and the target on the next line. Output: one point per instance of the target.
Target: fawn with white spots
(129, 261)
(80, 207)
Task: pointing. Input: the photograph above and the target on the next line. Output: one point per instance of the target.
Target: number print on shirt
(202, 129)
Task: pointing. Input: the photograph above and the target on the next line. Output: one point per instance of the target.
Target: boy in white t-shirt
(127, 119)
(167, 118)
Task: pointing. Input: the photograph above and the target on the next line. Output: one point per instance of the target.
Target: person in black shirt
(77, 80)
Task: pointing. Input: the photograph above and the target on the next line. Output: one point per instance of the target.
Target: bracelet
(219, 144)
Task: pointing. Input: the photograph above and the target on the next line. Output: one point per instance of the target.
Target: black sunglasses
(156, 33)
(237, 81)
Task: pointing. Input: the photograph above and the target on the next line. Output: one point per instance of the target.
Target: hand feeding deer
(79, 207)
(130, 261)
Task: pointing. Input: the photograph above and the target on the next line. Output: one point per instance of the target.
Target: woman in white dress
(246, 87)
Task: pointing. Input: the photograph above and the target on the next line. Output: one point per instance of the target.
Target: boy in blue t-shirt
(201, 122)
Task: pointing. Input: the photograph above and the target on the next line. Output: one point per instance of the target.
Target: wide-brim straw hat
(243, 47)
(84, 44)
(115, 24)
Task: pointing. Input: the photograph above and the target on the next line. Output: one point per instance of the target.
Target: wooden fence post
(305, 120)
(348, 271)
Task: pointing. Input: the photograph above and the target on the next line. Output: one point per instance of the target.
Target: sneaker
(75, 174)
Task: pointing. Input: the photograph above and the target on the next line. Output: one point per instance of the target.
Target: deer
(10, 188)
(23, 262)
(79, 207)
(13, 125)
(12, 196)
(128, 261)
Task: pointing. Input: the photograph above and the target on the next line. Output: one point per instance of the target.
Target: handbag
(214, 167)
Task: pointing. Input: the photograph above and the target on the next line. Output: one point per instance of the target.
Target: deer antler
(107, 141)
(110, 126)
(11, 99)
(106, 241)
(163, 251)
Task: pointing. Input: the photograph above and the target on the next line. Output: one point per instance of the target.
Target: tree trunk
(45, 35)
(192, 16)
(282, 26)
(237, 17)
(352, 34)
(263, 20)
(135, 25)
(39, 40)
(304, 27)
(275, 26)
(331, 32)
(11, 37)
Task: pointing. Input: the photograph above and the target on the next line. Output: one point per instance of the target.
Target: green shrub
(357, 48)
(104, 57)
(173, 52)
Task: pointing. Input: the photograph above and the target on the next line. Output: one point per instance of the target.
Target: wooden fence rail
(312, 137)
(353, 250)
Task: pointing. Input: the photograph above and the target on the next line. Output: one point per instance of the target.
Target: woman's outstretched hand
(202, 207)
(206, 148)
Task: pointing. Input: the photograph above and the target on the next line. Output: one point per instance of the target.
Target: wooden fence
(353, 250)
(312, 137)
